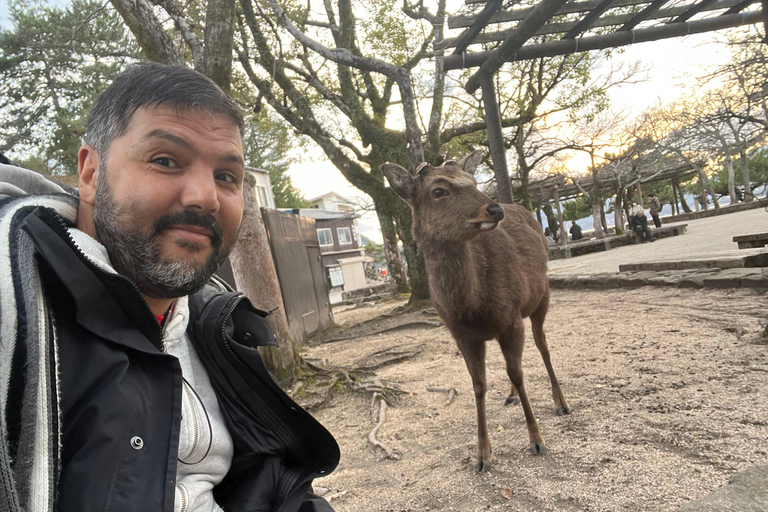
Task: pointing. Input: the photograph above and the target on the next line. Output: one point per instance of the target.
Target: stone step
(743, 258)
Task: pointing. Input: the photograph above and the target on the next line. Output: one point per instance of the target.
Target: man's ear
(400, 180)
(87, 170)
(470, 162)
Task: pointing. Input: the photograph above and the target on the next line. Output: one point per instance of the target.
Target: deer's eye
(439, 192)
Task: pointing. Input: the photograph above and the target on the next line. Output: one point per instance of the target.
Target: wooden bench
(586, 246)
(662, 232)
(751, 241)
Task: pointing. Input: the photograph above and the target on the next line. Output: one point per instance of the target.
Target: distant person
(739, 195)
(655, 209)
(576, 231)
(639, 224)
(549, 235)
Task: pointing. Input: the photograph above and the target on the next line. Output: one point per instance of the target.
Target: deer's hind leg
(473, 351)
(537, 325)
(511, 343)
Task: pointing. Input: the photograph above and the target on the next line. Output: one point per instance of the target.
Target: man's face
(169, 201)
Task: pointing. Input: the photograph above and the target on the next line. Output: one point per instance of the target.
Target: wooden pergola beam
(583, 44)
(643, 15)
(605, 21)
(693, 11)
(525, 30)
(589, 19)
(463, 21)
(482, 19)
(740, 6)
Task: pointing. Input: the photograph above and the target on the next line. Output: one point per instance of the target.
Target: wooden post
(639, 192)
(496, 140)
(538, 216)
(563, 240)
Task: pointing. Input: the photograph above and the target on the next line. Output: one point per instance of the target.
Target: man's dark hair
(151, 85)
(651, 195)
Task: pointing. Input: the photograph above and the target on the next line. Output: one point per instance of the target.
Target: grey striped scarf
(29, 410)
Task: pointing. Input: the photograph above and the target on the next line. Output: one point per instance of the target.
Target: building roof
(341, 198)
(256, 169)
(317, 214)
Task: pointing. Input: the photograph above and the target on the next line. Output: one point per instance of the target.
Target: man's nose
(200, 192)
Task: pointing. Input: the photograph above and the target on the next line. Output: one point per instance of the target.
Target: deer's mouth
(485, 226)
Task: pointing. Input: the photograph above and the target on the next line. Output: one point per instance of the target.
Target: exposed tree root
(450, 393)
(410, 325)
(389, 453)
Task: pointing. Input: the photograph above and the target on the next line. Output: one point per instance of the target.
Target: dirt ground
(667, 388)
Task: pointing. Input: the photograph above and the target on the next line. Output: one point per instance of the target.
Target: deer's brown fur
(483, 280)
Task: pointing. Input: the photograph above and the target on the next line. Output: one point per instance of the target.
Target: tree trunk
(618, 211)
(219, 35)
(597, 208)
(417, 267)
(731, 180)
(392, 253)
(603, 218)
(675, 205)
(255, 276)
(681, 195)
(153, 40)
(554, 225)
(748, 196)
(707, 184)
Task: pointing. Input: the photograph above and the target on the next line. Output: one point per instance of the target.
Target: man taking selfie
(131, 380)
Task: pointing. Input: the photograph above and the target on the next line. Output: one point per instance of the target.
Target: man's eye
(165, 161)
(439, 192)
(228, 177)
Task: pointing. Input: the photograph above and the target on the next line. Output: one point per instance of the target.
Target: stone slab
(746, 492)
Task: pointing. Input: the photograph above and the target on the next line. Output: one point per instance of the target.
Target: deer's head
(446, 205)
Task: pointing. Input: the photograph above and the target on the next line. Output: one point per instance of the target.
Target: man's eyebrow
(162, 134)
(181, 141)
(234, 159)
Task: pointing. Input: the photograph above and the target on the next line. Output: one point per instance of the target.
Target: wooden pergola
(572, 26)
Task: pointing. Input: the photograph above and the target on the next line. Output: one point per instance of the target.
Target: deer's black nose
(495, 211)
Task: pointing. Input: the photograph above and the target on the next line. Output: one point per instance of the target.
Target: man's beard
(138, 256)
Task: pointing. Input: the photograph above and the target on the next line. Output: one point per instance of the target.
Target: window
(336, 276)
(263, 198)
(325, 236)
(345, 236)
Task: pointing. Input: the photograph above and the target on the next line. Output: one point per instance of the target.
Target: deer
(487, 271)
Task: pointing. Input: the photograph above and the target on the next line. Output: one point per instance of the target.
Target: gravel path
(709, 235)
(667, 386)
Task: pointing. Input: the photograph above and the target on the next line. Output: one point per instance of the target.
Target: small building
(333, 202)
(264, 195)
(340, 249)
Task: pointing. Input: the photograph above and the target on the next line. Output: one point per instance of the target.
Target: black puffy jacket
(120, 395)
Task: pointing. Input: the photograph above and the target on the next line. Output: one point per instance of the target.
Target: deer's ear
(401, 180)
(470, 162)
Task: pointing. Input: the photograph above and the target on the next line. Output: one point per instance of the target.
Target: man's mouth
(193, 233)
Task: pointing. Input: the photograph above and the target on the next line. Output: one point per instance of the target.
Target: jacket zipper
(290, 476)
(195, 422)
(184, 498)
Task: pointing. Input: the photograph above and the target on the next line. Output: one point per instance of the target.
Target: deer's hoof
(512, 400)
(538, 449)
(483, 466)
(563, 410)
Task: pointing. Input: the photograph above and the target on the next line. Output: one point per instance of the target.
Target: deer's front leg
(474, 357)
